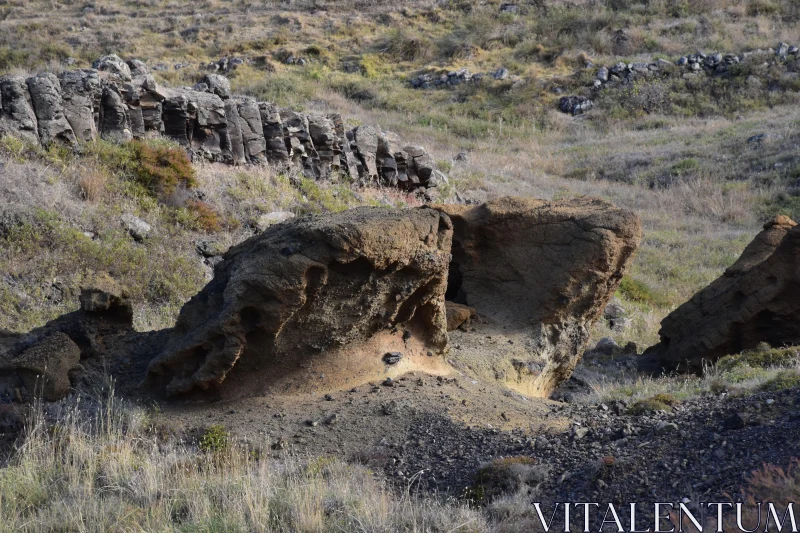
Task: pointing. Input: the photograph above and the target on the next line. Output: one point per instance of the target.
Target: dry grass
(754, 371)
(98, 466)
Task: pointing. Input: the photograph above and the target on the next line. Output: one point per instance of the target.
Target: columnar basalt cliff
(756, 300)
(121, 101)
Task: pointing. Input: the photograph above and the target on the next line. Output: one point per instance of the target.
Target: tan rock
(315, 303)
(540, 273)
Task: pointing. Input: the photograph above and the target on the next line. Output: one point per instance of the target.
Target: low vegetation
(100, 467)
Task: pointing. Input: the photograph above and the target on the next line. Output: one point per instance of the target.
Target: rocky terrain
(351, 266)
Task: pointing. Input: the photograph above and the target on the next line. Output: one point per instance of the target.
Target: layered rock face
(121, 101)
(540, 273)
(316, 303)
(756, 300)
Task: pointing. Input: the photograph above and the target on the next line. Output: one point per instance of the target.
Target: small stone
(392, 358)
(665, 427)
(136, 227)
(580, 433)
(735, 421)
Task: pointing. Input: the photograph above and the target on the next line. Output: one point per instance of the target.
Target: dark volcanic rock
(16, 110)
(81, 92)
(45, 91)
(754, 301)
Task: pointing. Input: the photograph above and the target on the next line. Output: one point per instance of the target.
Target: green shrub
(786, 379)
(638, 291)
(159, 166)
(162, 168)
(215, 439)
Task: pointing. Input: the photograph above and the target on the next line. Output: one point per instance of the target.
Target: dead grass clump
(92, 183)
(406, 47)
(505, 476)
(660, 402)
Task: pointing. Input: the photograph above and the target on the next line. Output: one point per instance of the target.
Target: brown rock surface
(756, 300)
(458, 314)
(314, 304)
(539, 274)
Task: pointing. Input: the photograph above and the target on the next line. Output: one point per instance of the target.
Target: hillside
(682, 115)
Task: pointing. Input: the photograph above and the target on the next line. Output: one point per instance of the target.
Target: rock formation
(756, 300)
(16, 110)
(315, 303)
(92, 341)
(121, 101)
(540, 273)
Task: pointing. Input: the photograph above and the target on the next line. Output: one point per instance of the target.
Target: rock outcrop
(45, 91)
(87, 342)
(756, 300)
(539, 274)
(315, 303)
(16, 111)
(120, 101)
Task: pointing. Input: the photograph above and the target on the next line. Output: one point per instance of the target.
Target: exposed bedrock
(314, 304)
(120, 101)
(45, 91)
(16, 110)
(540, 274)
(756, 300)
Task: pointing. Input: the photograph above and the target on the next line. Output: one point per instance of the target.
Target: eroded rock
(754, 301)
(16, 110)
(45, 91)
(317, 296)
(81, 93)
(539, 274)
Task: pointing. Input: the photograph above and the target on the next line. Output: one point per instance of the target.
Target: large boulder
(45, 93)
(539, 275)
(754, 301)
(16, 110)
(315, 303)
